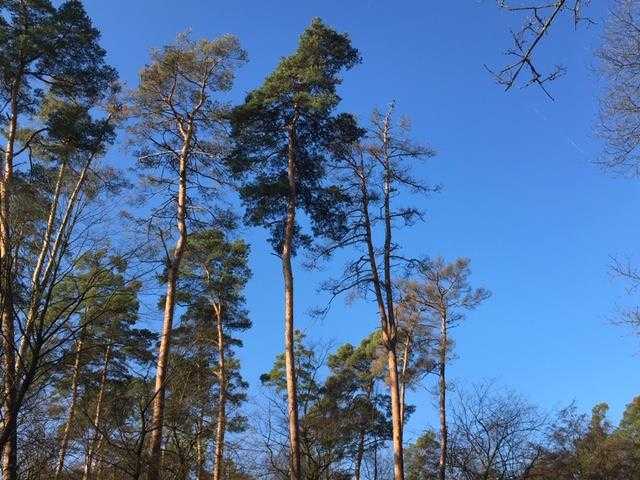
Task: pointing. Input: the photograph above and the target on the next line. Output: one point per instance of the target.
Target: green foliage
(215, 268)
(421, 457)
(177, 94)
(292, 112)
(342, 413)
(307, 372)
(630, 423)
(214, 271)
(56, 46)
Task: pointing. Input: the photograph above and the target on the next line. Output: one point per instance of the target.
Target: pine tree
(284, 134)
(45, 52)
(444, 294)
(179, 131)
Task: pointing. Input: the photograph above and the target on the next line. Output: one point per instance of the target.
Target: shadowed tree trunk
(9, 449)
(222, 379)
(71, 415)
(359, 456)
(97, 437)
(361, 442)
(442, 401)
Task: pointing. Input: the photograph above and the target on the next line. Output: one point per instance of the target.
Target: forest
(125, 262)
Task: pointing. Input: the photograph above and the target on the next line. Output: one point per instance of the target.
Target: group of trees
(89, 393)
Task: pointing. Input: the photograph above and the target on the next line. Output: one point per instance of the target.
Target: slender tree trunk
(222, 398)
(361, 440)
(169, 307)
(97, 437)
(199, 457)
(442, 387)
(359, 455)
(64, 442)
(99, 464)
(9, 447)
(36, 289)
(290, 365)
(42, 273)
(391, 329)
(387, 322)
(396, 418)
(403, 378)
(375, 461)
(200, 427)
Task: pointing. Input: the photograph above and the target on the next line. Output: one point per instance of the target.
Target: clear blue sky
(521, 197)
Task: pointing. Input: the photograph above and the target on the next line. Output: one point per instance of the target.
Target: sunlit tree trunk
(169, 307)
(390, 332)
(388, 329)
(396, 417)
(403, 378)
(287, 245)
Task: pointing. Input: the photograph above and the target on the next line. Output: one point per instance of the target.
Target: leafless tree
(619, 65)
(494, 436)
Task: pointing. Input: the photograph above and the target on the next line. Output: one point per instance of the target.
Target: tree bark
(403, 377)
(387, 322)
(199, 457)
(390, 330)
(169, 307)
(359, 456)
(222, 398)
(290, 366)
(9, 448)
(442, 387)
(88, 464)
(396, 418)
(41, 276)
(64, 442)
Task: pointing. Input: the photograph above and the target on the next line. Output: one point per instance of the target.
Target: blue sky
(521, 195)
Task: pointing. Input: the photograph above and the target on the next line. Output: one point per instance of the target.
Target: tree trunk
(396, 418)
(199, 457)
(169, 307)
(41, 276)
(222, 398)
(363, 431)
(442, 387)
(9, 447)
(375, 461)
(88, 464)
(403, 378)
(390, 329)
(387, 321)
(290, 366)
(64, 442)
(359, 455)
